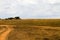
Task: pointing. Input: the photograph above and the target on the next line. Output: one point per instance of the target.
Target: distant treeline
(11, 18)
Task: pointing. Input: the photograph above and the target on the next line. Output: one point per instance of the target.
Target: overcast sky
(30, 8)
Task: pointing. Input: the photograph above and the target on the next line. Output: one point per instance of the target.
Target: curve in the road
(4, 34)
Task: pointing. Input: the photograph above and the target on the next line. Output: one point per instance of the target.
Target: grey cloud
(34, 9)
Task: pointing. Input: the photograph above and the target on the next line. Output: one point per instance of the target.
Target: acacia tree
(17, 18)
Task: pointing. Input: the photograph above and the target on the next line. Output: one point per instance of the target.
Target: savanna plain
(31, 29)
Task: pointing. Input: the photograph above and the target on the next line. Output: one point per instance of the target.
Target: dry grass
(34, 29)
(35, 33)
(35, 22)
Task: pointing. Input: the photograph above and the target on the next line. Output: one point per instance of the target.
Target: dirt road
(5, 32)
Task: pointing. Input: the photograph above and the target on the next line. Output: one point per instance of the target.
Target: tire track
(5, 32)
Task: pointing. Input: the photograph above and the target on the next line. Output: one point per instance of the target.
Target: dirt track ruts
(5, 33)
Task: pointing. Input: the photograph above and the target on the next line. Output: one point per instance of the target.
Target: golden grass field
(33, 29)
(35, 22)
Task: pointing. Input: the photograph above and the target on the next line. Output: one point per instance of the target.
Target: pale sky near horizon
(30, 8)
